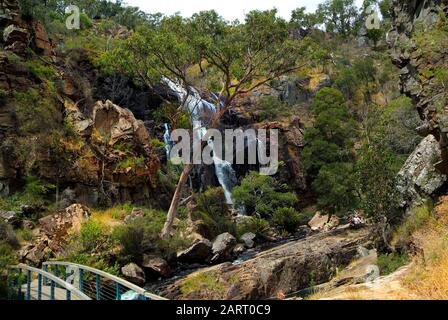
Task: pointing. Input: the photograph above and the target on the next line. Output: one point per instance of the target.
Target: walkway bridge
(70, 281)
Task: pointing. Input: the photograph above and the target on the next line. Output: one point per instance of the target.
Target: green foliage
(142, 236)
(87, 259)
(132, 162)
(24, 235)
(7, 258)
(262, 195)
(94, 236)
(286, 219)
(389, 263)
(393, 127)
(34, 193)
(418, 217)
(331, 139)
(7, 235)
(259, 227)
(339, 16)
(36, 112)
(213, 202)
(377, 170)
(271, 108)
(213, 210)
(335, 186)
(303, 20)
(169, 176)
(41, 70)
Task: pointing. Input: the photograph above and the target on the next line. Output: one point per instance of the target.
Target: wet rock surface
(286, 268)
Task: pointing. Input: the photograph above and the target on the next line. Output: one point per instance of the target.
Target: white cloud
(229, 9)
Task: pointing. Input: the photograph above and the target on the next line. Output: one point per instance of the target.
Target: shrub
(142, 235)
(7, 235)
(262, 195)
(260, 227)
(24, 235)
(418, 218)
(271, 108)
(213, 210)
(286, 219)
(389, 263)
(40, 70)
(94, 236)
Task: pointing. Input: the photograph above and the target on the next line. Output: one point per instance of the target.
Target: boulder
(418, 178)
(287, 268)
(199, 252)
(239, 249)
(59, 225)
(223, 246)
(323, 222)
(156, 266)
(248, 239)
(9, 217)
(13, 34)
(134, 274)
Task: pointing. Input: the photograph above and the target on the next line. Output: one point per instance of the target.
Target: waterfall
(167, 139)
(197, 106)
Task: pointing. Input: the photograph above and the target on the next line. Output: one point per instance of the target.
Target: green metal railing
(28, 283)
(97, 284)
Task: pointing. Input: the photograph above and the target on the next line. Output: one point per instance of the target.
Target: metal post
(39, 287)
(67, 291)
(81, 280)
(98, 287)
(28, 285)
(45, 279)
(19, 285)
(52, 284)
(117, 291)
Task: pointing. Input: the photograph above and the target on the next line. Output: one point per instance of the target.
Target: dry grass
(429, 276)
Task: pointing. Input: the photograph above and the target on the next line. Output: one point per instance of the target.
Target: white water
(197, 106)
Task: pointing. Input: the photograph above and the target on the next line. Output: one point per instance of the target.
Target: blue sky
(229, 9)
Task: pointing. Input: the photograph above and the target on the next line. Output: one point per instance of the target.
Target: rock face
(288, 268)
(134, 274)
(60, 224)
(199, 252)
(156, 266)
(249, 239)
(419, 178)
(120, 143)
(323, 222)
(53, 231)
(223, 246)
(419, 63)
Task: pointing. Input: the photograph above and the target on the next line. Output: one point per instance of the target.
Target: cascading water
(167, 139)
(197, 106)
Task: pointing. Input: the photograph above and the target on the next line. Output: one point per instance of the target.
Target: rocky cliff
(419, 47)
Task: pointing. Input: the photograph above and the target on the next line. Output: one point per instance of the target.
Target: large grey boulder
(418, 178)
(9, 217)
(134, 274)
(156, 266)
(199, 252)
(249, 239)
(223, 247)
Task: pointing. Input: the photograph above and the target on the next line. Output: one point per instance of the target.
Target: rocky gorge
(84, 173)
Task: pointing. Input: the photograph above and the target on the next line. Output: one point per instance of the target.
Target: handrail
(109, 276)
(53, 278)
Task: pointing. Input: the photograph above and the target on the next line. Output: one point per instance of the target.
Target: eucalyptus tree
(234, 58)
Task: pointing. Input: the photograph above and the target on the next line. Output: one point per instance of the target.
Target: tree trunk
(167, 228)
